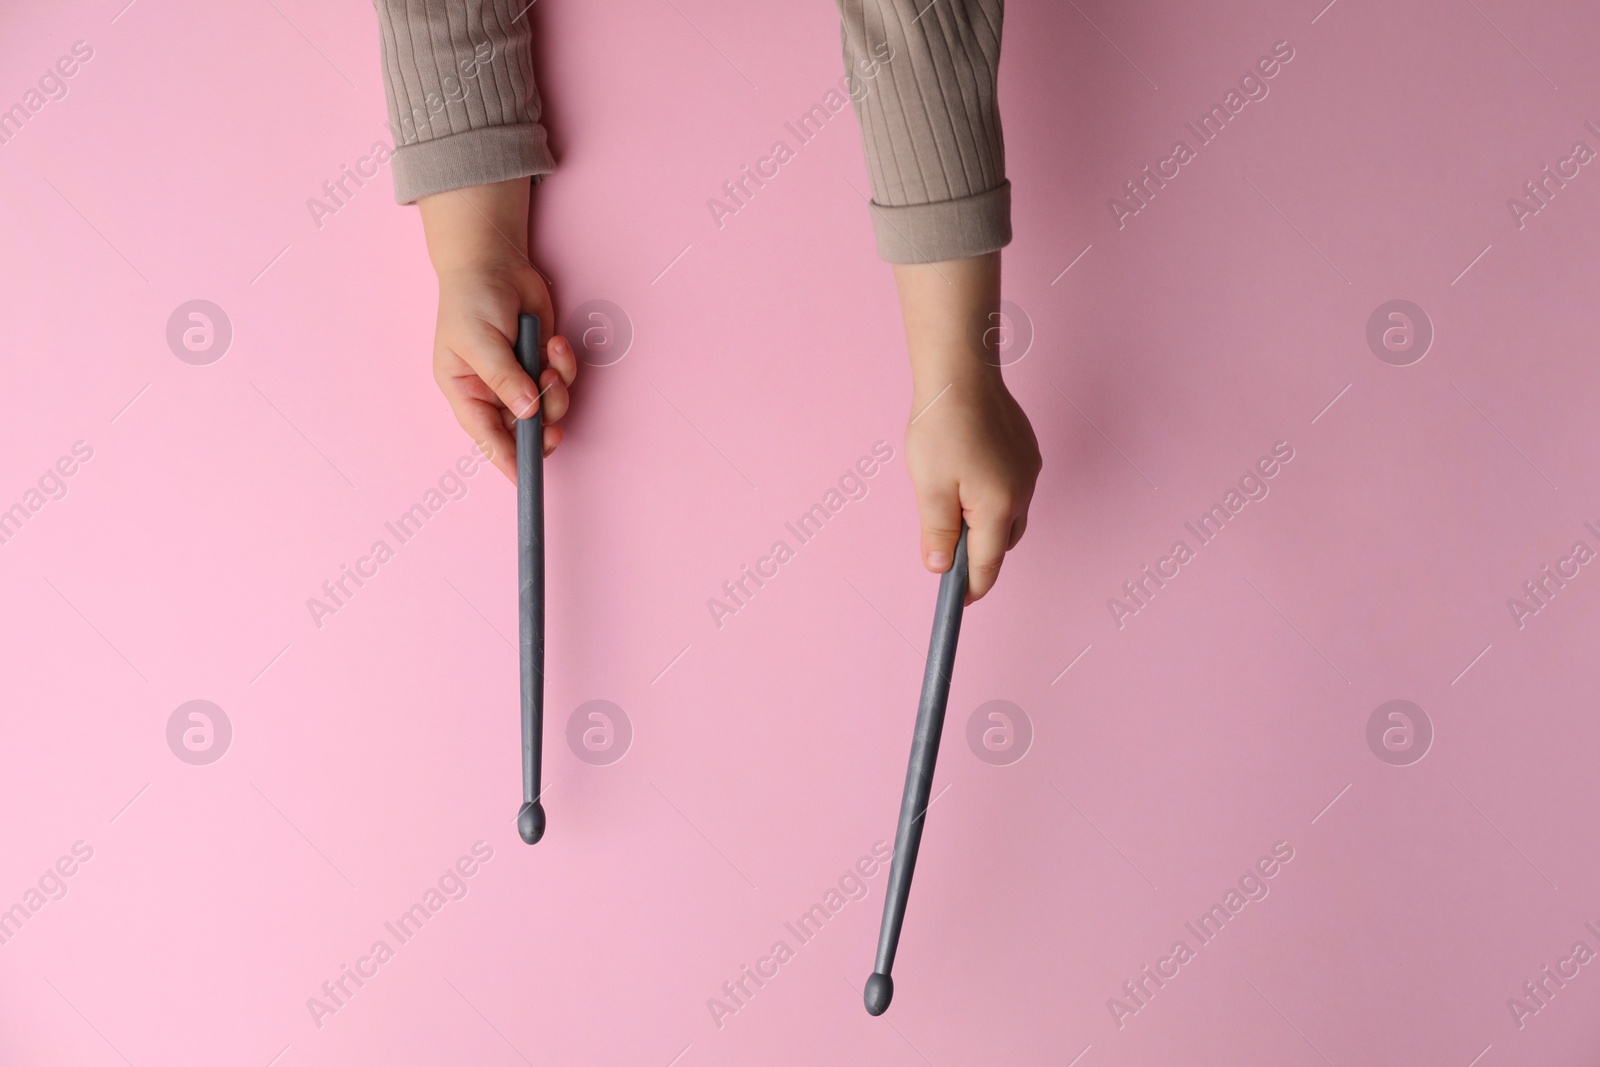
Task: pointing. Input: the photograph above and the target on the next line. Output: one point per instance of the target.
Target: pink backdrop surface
(1148, 758)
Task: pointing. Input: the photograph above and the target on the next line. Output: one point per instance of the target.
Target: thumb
(940, 511)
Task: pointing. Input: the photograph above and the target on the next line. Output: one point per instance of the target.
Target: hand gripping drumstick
(530, 585)
(919, 776)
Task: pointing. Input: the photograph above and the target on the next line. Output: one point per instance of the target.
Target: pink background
(768, 755)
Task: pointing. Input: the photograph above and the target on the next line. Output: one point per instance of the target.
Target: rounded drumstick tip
(530, 822)
(879, 991)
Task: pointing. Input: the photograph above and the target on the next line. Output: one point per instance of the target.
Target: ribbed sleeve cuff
(475, 157)
(948, 229)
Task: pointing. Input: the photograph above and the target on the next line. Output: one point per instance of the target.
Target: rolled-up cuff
(948, 229)
(475, 157)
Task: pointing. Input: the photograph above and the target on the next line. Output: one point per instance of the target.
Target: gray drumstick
(530, 584)
(919, 776)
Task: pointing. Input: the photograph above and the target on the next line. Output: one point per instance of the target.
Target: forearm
(950, 310)
(478, 227)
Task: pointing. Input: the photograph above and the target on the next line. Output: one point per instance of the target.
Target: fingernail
(523, 407)
(938, 560)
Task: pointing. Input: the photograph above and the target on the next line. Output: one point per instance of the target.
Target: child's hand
(477, 240)
(972, 455)
(476, 368)
(970, 449)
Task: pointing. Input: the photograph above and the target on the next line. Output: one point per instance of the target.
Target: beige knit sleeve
(463, 105)
(922, 74)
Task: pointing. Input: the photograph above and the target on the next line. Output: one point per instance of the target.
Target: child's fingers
(489, 354)
(986, 550)
(1018, 528)
(559, 355)
(482, 420)
(552, 438)
(553, 400)
(553, 397)
(499, 369)
(553, 435)
(940, 511)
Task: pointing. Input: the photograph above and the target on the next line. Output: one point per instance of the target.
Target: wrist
(951, 311)
(956, 366)
(480, 227)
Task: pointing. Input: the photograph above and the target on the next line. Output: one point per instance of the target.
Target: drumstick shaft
(530, 583)
(924, 753)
